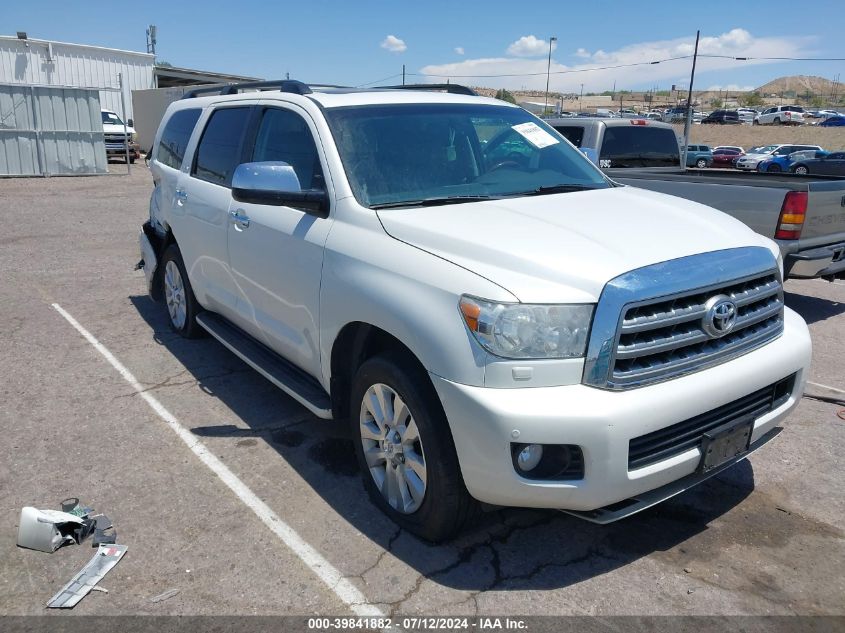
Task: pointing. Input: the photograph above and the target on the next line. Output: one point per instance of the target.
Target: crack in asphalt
(169, 381)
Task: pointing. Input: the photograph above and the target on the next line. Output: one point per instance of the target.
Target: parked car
(829, 164)
(675, 115)
(725, 157)
(834, 121)
(653, 116)
(699, 156)
(782, 162)
(371, 257)
(735, 148)
(747, 115)
(118, 136)
(754, 156)
(781, 115)
(722, 117)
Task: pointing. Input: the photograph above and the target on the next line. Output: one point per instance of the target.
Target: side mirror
(130, 122)
(275, 183)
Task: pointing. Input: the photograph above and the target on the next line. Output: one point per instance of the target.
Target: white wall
(77, 65)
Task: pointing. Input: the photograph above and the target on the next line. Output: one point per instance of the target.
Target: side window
(573, 133)
(174, 138)
(284, 136)
(219, 150)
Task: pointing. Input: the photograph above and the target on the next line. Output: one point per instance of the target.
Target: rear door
(199, 215)
(277, 259)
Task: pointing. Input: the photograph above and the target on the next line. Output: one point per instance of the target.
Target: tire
(756, 122)
(774, 168)
(701, 163)
(429, 499)
(182, 306)
(801, 170)
(776, 121)
(131, 160)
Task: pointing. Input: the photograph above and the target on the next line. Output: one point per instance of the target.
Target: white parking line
(325, 571)
(829, 388)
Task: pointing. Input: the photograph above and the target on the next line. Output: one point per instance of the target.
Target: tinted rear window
(573, 133)
(219, 150)
(639, 146)
(174, 139)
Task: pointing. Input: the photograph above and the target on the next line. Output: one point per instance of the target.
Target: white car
(781, 115)
(756, 155)
(494, 319)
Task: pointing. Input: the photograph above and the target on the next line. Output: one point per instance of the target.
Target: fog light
(529, 457)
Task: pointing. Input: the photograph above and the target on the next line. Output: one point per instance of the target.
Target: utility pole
(581, 100)
(403, 74)
(151, 39)
(552, 40)
(688, 118)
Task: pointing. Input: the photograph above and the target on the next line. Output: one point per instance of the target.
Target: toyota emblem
(719, 317)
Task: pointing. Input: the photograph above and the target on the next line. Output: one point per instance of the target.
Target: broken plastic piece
(164, 596)
(104, 532)
(83, 582)
(47, 530)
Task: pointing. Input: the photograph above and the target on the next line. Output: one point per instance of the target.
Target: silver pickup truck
(805, 216)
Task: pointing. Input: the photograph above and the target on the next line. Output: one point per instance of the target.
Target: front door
(276, 253)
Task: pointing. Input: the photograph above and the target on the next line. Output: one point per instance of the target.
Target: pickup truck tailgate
(825, 212)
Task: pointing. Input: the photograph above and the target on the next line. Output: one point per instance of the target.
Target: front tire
(774, 168)
(405, 450)
(182, 306)
(801, 170)
(701, 163)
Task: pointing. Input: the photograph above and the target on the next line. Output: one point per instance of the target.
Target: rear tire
(701, 163)
(776, 122)
(182, 305)
(801, 170)
(405, 450)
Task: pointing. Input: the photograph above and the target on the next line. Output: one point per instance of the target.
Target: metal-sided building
(51, 94)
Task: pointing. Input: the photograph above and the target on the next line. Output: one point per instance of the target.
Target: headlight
(520, 330)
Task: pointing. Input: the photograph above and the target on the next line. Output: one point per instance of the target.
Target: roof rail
(452, 88)
(282, 85)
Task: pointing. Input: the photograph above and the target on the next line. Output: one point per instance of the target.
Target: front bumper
(485, 421)
(823, 261)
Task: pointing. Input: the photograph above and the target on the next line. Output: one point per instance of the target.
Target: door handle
(239, 218)
(181, 196)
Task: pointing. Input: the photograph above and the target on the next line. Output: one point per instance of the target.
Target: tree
(750, 100)
(716, 103)
(504, 95)
(817, 101)
(164, 64)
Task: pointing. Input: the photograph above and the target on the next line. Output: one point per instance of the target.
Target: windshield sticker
(535, 135)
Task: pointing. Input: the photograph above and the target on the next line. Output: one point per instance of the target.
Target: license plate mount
(725, 443)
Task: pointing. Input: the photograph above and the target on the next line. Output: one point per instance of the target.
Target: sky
(368, 41)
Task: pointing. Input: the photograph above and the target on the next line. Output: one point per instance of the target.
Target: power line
(564, 72)
(778, 59)
(378, 81)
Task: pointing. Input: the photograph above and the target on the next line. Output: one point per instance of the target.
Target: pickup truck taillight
(792, 214)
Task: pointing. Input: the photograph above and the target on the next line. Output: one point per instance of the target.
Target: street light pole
(688, 117)
(552, 40)
(581, 100)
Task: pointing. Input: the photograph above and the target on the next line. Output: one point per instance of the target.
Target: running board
(627, 507)
(287, 377)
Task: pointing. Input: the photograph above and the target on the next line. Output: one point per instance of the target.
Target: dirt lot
(747, 136)
(765, 537)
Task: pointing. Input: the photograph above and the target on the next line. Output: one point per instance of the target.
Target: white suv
(781, 115)
(495, 319)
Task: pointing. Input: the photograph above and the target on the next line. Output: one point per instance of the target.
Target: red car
(725, 157)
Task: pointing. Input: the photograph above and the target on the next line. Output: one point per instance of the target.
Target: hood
(566, 247)
(111, 128)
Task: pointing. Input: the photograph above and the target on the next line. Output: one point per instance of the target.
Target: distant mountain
(800, 85)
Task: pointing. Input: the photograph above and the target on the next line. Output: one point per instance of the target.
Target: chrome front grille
(661, 335)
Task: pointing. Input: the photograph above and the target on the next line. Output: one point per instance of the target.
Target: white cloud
(531, 73)
(731, 88)
(529, 46)
(394, 44)
(460, 50)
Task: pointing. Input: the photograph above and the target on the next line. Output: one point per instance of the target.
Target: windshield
(110, 118)
(407, 154)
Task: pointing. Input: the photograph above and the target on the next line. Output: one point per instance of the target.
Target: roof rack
(282, 85)
(300, 88)
(451, 88)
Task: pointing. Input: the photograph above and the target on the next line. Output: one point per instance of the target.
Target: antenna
(151, 39)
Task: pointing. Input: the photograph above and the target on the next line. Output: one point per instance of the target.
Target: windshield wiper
(542, 191)
(432, 202)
